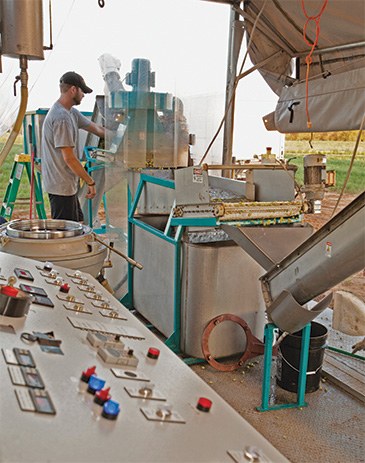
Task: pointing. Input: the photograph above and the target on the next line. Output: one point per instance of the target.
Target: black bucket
(288, 359)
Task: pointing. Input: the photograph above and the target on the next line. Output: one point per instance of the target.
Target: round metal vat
(44, 229)
(22, 28)
(65, 243)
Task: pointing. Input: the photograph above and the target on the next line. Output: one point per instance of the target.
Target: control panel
(82, 379)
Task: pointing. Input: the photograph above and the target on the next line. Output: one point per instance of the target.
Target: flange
(254, 346)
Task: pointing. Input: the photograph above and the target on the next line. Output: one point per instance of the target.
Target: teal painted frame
(174, 340)
(303, 365)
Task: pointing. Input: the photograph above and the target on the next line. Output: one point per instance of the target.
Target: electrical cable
(235, 84)
(46, 61)
(293, 178)
(351, 164)
(308, 59)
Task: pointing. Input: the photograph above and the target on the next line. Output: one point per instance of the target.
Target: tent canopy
(336, 86)
(336, 89)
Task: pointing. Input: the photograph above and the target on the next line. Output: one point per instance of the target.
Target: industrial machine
(177, 221)
(65, 243)
(182, 224)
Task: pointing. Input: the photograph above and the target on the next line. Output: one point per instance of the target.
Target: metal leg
(303, 364)
(269, 338)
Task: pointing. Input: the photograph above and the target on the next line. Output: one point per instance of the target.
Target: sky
(186, 42)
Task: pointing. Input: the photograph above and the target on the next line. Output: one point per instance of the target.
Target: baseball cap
(72, 78)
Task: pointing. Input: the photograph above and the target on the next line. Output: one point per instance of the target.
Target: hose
(22, 108)
(351, 164)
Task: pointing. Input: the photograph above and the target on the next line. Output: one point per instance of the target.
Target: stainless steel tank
(22, 28)
(65, 243)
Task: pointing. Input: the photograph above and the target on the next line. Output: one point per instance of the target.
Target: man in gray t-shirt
(61, 167)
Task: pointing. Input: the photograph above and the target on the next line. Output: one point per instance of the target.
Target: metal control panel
(152, 407)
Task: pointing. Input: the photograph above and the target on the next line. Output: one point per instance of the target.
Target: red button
(153, 353)
(204, 404)
(9, 291)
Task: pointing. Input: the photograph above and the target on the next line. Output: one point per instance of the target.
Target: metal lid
(44, 229)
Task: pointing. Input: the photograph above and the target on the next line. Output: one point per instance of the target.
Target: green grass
(24, 188)
(339, 163)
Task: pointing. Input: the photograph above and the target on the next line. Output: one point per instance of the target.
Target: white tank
(65, 243)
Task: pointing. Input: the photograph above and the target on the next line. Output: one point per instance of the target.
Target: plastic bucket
(288, 359)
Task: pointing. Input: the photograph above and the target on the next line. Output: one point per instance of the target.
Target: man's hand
(91, 192)
(358, 346)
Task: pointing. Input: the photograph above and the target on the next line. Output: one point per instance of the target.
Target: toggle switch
(146, 390)
(110, 410)
(164, 411)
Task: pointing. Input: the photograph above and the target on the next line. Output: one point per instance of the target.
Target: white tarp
(341, 41)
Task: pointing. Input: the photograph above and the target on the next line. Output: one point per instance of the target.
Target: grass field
(297, 149)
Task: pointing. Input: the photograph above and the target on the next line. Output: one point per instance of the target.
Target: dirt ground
(354, 284)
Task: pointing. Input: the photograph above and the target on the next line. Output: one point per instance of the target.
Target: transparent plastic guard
(147, 133)
(148, 137)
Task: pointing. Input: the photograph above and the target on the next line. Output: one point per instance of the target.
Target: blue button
(111, 407)
(96, 383)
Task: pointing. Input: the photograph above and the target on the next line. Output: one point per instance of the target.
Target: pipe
(128, 259)
(22, 108)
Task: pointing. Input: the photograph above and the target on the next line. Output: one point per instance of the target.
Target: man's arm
(75, 165)
(96, 129)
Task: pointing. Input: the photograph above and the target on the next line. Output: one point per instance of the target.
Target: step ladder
(21, 162)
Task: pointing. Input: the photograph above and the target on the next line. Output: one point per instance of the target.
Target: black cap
(72, 78)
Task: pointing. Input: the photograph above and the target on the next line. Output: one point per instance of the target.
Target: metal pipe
(244, 167)
(260, 64)
(128, 259)
(323, 51)
(235, 40)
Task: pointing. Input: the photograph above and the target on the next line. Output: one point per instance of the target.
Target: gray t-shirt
(60, 130)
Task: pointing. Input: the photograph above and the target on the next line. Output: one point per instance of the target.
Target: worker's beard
(78, 97)
(77, 100)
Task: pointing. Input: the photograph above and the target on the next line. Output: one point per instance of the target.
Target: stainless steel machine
(65, 243)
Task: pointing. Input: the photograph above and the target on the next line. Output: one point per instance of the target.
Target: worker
(60, 160)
